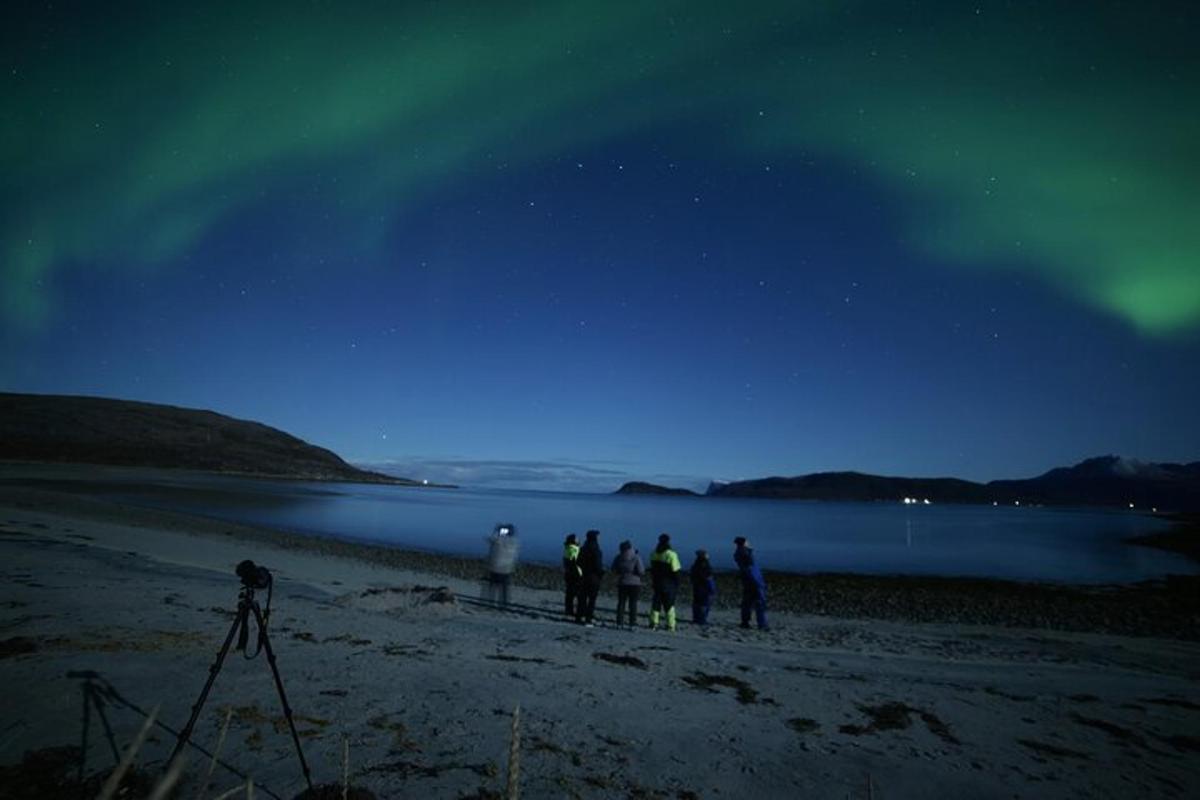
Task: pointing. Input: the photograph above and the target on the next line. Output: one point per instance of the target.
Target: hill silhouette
(96, 430)
(641, 487)
(1102, 481)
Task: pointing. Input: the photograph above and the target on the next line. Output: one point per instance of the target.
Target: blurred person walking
(502, 560)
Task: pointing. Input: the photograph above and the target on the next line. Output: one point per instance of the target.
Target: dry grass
(345, 767)
(212, 765)
(513, 788)
(114, 780)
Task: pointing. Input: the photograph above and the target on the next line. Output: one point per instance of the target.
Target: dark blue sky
(574, 291)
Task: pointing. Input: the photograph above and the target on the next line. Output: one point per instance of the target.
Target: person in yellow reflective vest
(664, 574)
(571, 573)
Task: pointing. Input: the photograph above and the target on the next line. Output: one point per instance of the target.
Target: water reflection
(1070, 545)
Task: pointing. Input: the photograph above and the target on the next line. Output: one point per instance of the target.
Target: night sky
(566, 244)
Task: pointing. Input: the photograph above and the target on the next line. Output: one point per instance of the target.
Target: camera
(253, 576)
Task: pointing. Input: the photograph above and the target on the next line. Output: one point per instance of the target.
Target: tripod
(241, 626)
(95, 692)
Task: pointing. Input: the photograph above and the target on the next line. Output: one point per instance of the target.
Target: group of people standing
(583, 573)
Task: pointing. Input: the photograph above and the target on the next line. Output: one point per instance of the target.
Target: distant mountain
(639, 487)
(1104, 481)
(94, 430)
(1112, 480)
(854, 486)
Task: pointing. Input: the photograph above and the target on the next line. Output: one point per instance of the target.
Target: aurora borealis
(684, 238)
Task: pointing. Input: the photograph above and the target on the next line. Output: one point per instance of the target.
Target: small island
(641, 487)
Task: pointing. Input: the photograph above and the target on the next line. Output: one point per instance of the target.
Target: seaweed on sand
(746, 694)
(1120, 735)
(625, 661)
(54, 772)
(17, 646)
(896, 716)
(1046, 749)
(334, 791)
(803, 725)
(522, 659)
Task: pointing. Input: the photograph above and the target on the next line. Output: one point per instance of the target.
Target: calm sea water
(1067, 545)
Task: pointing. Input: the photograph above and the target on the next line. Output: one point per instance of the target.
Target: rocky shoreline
(1167, 608)
(1182, 538)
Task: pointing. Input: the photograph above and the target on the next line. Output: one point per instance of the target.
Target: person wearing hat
(571, 574)
(704, 587)
(754, 586)
(627, 566)
(664, 574)
(591, 568)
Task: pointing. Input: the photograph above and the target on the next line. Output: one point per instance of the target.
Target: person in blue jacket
(704, 587)
(754, 586)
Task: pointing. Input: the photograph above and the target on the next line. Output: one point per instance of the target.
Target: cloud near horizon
(551, 475)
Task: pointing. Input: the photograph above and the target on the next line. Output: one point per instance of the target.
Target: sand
(108, 613)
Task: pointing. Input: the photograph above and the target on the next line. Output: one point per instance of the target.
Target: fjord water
(1063, 545)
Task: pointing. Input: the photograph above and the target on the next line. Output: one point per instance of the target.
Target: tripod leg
(287, 709)
(108, 731)
(238, 621)
(87, 724)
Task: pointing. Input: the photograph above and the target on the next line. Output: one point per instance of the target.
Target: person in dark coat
(664, 574)
(627, 566)
(704, 587)
(572, 578)
(591, 567)
(754, 586)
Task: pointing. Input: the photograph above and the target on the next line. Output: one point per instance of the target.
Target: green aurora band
(1045, 139)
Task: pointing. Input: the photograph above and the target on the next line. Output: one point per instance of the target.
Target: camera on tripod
(253, 576)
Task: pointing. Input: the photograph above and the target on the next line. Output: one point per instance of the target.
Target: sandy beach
(110, 612)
